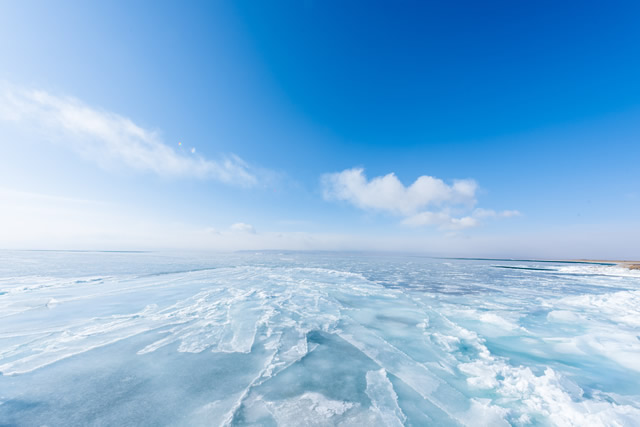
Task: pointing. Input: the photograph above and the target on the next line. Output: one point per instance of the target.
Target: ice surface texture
(315, 339)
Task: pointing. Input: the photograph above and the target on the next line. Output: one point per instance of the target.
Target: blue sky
(510, 128)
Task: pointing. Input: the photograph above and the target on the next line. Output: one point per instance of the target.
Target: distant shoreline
(631, 265)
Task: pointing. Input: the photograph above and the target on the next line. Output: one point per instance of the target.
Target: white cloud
(442, 220)
(387, 193)
(211, 230)
(489, 213)
(243, 228)
(9, 195)
(447, 222)
(429, 201)
(108, 138)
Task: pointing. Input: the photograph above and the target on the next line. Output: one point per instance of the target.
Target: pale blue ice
(315, 339)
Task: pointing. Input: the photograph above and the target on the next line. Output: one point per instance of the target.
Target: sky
(506, 129)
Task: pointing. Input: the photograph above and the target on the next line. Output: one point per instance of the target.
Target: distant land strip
(631, 265)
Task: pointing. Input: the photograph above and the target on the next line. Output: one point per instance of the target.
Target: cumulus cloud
(387, 193)
(429, 201)
(106, 137)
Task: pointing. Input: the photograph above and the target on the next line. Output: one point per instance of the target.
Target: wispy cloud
(446, 221)
(442, 219)
(107, 138)
(490, 213)
(242, 227)
(428, 201)
(14, 195)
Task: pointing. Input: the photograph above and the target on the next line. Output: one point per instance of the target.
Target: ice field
(315, 339)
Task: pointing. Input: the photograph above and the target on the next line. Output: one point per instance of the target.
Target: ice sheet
(314, 339)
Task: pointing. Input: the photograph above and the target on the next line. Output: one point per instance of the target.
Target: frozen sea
(305, 339)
